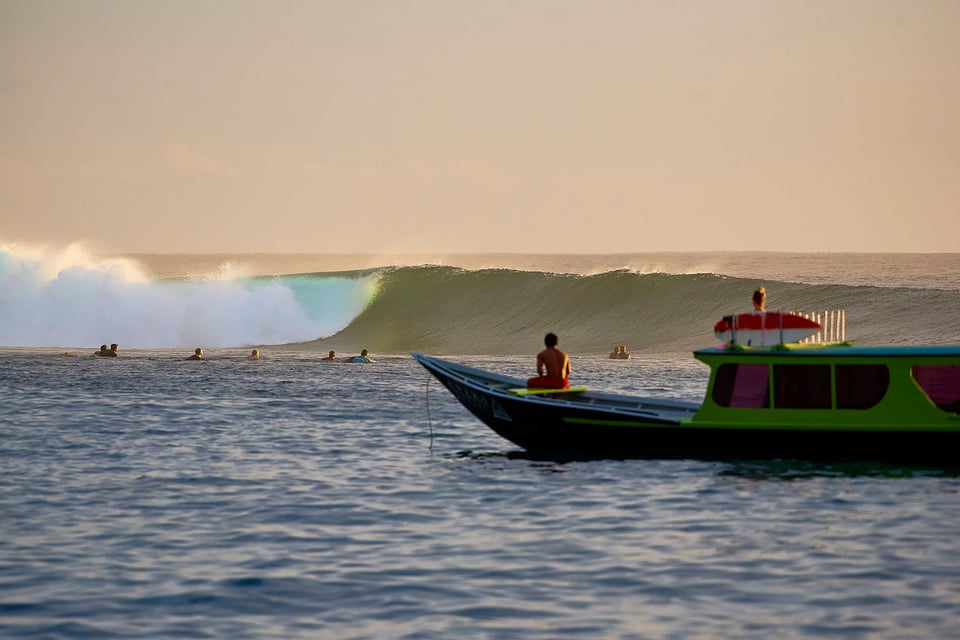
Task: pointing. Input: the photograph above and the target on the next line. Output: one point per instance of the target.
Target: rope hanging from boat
(429, 420)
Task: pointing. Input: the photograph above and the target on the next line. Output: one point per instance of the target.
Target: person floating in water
(620, 353)
(362, 358)
(553, 366)
(760, 299)
(197, 355)
(254, 355)
(112, 352)
(330, 356)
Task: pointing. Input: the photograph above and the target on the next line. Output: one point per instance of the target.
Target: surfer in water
(254, 355)
(620, 353)
(553, 366)
(362, 358)
(197, 355)
(112, 352)
(760, 299)
(330, 356)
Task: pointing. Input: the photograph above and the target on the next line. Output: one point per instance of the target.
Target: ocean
(146, 496)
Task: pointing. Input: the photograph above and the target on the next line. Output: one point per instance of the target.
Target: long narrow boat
(811, 402)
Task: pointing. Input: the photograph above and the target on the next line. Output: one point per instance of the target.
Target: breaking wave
(70, 300)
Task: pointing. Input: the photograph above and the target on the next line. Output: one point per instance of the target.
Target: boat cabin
(790, 385)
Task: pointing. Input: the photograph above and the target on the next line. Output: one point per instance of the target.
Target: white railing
(833, 326)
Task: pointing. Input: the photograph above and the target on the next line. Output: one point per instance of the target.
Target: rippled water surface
(148, 497)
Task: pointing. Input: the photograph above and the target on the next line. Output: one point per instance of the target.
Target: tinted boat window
(742, 386)
(861, 386)
(941, 383)
(801, 386)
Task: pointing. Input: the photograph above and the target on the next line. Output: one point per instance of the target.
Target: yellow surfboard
(526, 391)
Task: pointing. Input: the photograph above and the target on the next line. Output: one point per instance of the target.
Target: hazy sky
(483, 125)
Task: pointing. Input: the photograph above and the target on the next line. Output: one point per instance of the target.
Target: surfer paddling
(553, 366)
(363, 358)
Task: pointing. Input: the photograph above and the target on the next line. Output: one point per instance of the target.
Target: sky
(540, 126)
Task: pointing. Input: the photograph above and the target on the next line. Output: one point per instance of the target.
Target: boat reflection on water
(789, 470)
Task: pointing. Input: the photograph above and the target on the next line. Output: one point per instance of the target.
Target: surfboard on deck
(764, 328)
(536, 391)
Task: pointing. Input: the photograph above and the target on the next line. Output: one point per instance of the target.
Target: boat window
(941, 383)
(801, 386)
(861, 386)
(742, 386)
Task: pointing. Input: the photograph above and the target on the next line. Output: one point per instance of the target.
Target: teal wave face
(330, 301)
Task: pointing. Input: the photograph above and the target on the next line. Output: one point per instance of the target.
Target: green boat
(817, 402)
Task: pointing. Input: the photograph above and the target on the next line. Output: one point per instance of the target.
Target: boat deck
(628, 406)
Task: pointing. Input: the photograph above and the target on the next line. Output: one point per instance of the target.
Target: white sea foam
(67, 298)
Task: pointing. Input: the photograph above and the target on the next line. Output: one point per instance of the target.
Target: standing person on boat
(553, 366)
(760, 299)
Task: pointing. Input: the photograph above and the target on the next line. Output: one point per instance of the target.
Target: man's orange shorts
(548, 382)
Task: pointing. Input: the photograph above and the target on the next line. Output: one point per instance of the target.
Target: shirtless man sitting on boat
(553, 366)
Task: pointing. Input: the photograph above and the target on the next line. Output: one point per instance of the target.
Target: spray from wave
(66, 298)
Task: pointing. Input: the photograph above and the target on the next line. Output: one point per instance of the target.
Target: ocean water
(147, 496)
